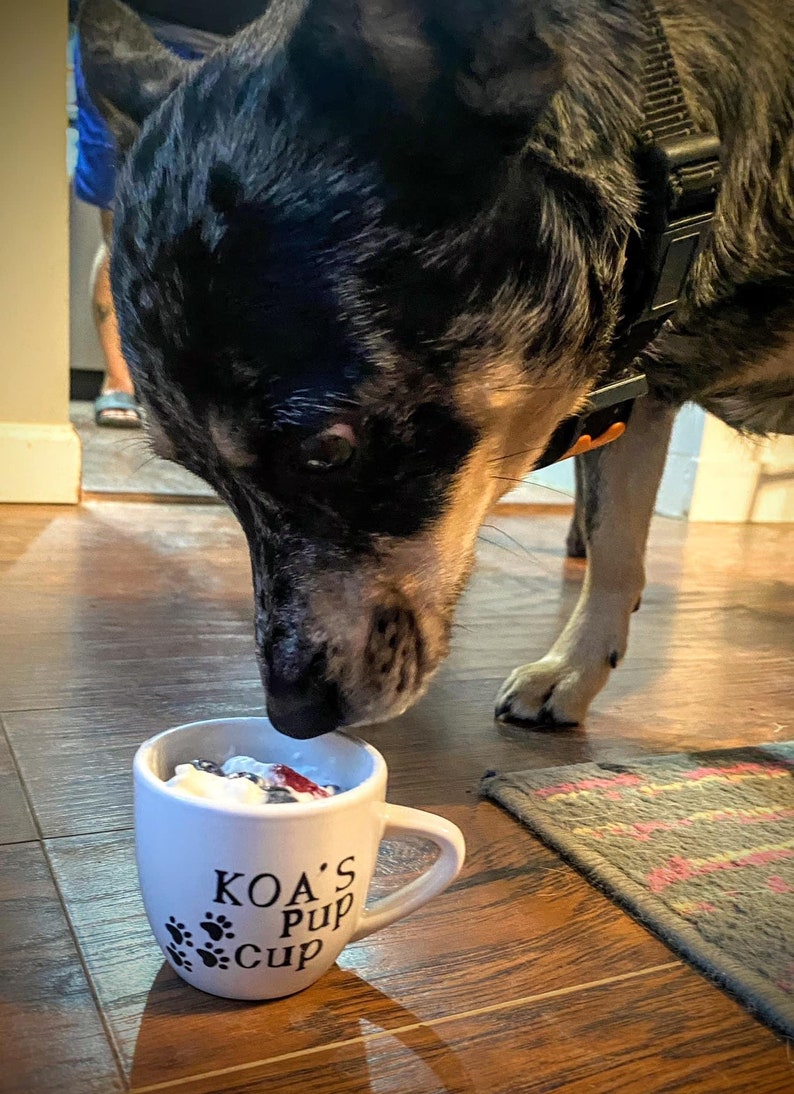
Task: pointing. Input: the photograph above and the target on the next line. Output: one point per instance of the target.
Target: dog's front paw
(550, 693)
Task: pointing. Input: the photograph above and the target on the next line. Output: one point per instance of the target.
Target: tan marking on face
(516, 414)
(229, 444)
(427, 572)
(514, 408)
(515, 429)
(516, 404)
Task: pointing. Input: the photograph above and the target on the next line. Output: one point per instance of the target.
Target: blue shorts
(95, 171)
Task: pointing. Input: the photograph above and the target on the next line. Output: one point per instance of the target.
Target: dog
(368, 256)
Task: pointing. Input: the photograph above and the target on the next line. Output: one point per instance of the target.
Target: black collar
(678, 169)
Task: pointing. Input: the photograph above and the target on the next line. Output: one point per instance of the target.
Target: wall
(680, 472)
(742, 479)
(678, 481)
(39, 450)
(712, 474)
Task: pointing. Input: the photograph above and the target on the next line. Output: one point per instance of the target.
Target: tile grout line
(92, 832)
(103, 1018)
(254, 682)
(104, 1022)
(66, 835)
(237, 1069)
(23, 786)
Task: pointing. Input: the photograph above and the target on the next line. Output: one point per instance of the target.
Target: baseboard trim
(149, 499)
(40, 463)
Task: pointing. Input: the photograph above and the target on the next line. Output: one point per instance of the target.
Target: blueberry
(206, 765)
(277, 795)
(257, 780)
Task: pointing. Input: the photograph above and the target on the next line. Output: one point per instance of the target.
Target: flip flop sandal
(117, 400)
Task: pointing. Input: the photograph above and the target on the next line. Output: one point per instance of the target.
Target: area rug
(699, 847)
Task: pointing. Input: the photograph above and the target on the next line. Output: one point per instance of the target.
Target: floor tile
(51, 1034)
(611, 1038)
(530, 924)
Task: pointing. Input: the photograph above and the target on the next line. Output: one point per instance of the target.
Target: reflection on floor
(119, 461)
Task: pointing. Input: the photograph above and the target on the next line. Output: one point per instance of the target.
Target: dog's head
(357, 299)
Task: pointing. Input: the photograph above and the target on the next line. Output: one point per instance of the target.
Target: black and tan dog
(369, 255)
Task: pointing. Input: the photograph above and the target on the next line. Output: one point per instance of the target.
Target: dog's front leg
(619, 484)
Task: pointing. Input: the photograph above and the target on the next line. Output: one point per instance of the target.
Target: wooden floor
(117, 620)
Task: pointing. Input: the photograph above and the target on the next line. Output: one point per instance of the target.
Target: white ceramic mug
(258, 901)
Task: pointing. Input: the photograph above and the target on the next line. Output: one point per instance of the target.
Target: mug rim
(142, 772)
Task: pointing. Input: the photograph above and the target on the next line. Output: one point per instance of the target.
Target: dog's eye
(328, 451)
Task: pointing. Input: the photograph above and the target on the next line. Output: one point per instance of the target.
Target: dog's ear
(127, 72)
(464, 79)
(493, 56)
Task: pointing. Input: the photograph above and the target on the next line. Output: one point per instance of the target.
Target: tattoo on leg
(102, 312)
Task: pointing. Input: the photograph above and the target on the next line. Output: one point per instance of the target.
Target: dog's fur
(403, 223)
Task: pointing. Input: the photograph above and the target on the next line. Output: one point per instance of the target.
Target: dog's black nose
(306, 704)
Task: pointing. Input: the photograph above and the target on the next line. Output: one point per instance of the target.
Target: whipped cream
(244, 780)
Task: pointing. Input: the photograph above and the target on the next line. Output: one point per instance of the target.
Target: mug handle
(402, 821)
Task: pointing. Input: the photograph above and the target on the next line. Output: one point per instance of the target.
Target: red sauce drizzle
(289, 777)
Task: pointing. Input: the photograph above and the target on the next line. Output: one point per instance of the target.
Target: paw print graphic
(179, 957)
(217, 928)
(178, 933)
(213, 956)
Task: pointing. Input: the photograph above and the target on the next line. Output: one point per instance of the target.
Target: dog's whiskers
(542, 485)
(502, 532)
(150, 458)
(461, 627)
(507, 478)
(141, 445)
(133, 443)
(524, 549)
(510, 456)
(492, 543)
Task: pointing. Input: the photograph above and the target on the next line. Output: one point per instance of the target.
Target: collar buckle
(603, 420)
(683, 178)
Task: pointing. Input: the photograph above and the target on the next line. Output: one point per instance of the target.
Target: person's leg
(117, 374)
(94, 183)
